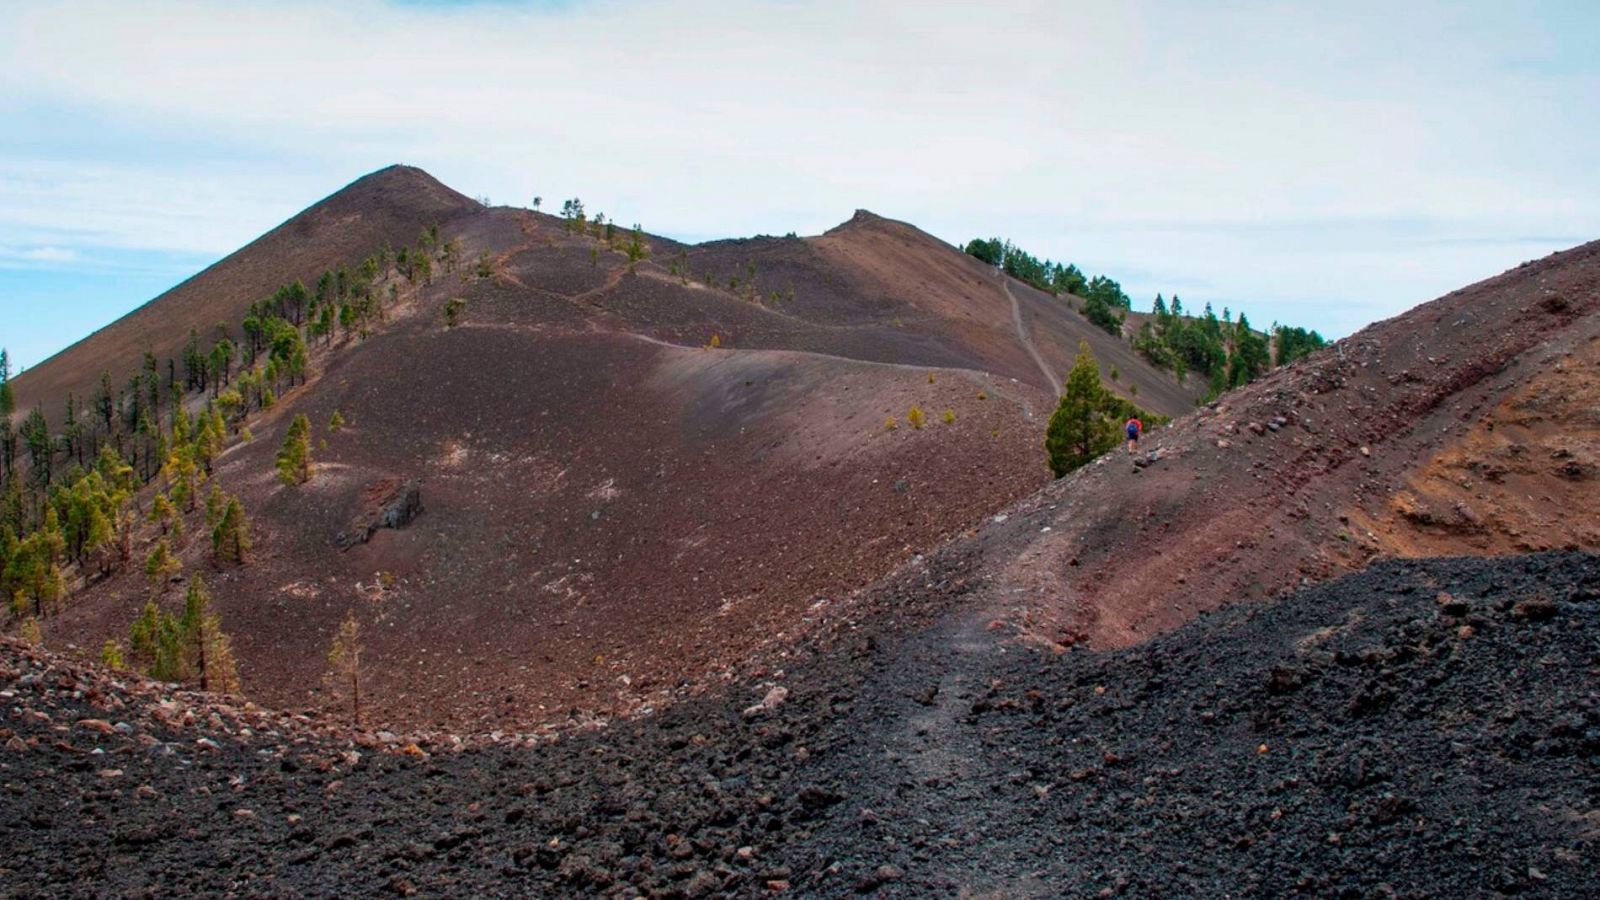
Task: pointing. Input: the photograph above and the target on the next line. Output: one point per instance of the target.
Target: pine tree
(161, 565)
(101, 539)
(156, 641)
(294, 459)
(183, 476)
(163, 511)
(636, 248)
(216, 505)
(345, 658)
(207, 650)
(8, 406)
(230, 539)
(335, 422)
(33, 576)
(35, 433)
(208, 440)
(50, 536)
(1078, 430)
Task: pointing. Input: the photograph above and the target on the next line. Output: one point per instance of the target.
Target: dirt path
(1025, 338)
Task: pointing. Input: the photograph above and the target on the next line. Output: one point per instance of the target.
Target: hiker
(1134, 428)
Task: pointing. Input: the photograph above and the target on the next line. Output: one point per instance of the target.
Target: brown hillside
(612, 513)
(1465, 426)
(386, 207)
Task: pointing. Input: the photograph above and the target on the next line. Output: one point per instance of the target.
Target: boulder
(389, 503)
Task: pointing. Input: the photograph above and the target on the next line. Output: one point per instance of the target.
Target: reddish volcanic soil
(1466, 425)
(613, 514)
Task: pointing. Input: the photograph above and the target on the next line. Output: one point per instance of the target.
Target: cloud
(1191, 142)
(36, 255)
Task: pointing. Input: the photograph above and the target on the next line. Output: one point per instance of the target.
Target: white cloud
(25, 255)
(1189, 145)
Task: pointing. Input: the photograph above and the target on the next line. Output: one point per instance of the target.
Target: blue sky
(1319, 164)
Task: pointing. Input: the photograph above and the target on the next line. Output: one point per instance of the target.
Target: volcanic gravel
(1424, 728)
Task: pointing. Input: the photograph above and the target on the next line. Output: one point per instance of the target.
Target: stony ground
(1423, 728)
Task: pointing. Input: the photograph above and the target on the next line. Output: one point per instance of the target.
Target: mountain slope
(613, 512)
(1463, 426)
(387, 207)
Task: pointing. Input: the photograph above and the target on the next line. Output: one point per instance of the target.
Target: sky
(1325, 165)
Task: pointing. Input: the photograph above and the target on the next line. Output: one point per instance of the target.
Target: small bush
(915, 417)
(30, 632)
(983, 395)
(452, 311)
(890, 424)
(111, 655)
(336, 422)
(949, 417)
(930, 378)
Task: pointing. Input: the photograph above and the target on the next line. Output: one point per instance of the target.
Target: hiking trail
(1025, 338)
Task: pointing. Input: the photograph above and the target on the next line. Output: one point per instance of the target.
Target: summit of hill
(385, 207)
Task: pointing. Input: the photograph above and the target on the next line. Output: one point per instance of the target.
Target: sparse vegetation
(74, 516)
